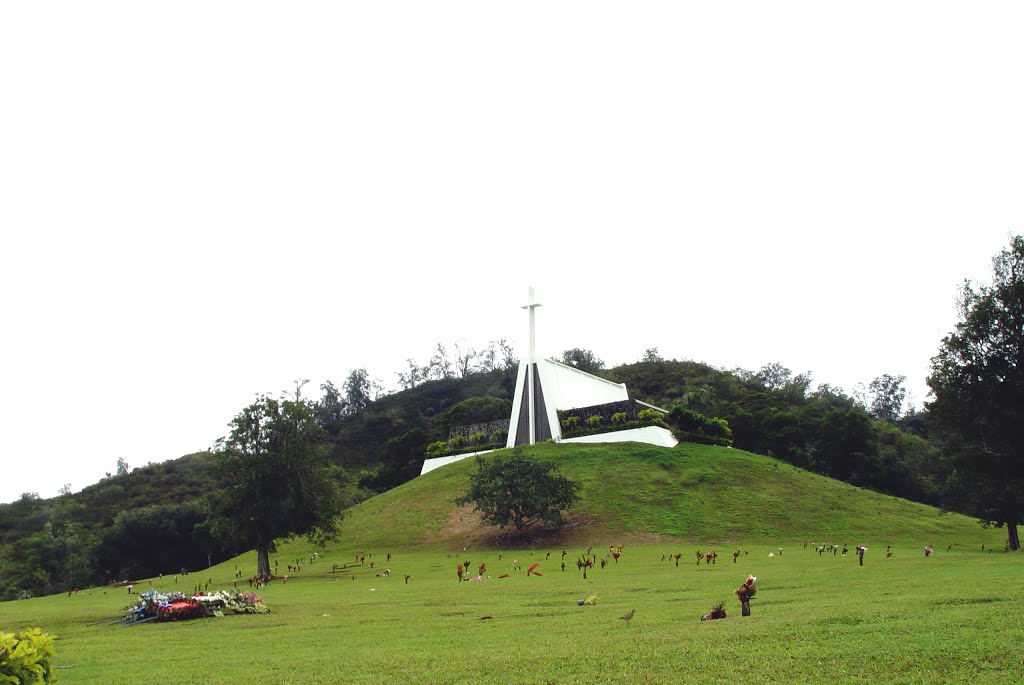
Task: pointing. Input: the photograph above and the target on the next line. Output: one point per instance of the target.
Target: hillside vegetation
(153, 519)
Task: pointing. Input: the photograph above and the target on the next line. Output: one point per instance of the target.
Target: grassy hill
(632, 492)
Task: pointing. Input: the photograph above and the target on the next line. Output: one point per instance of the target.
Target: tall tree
(582, 359)
(977, 381)
(651, 355)
(296, 395)
(507, 355)
(774, 375)
(413, 377)
(276, 481)
(359, 389)
(464, 360)
(330, 409)
(439, 366)
(887, 394)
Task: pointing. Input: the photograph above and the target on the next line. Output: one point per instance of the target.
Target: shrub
(570, 422)
(456, 443)
(695, 427)
(651, 416)
(499, 436)
(594, 420)
(25, 657)
(437, 449)
(478, 438)
(619, 417)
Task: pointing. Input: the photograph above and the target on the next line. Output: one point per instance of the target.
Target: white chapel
(544, 387)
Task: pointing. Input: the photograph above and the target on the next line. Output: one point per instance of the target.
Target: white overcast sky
(202, 201)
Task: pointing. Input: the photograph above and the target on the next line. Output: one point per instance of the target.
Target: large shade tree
(977, 380)
(276, 480)
(516, 490)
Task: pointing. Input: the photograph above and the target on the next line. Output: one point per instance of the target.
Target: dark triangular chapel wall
(523, 425)
(540, 413)
(542, 430)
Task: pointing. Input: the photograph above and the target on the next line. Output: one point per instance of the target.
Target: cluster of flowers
(235, 602)
(746, 591)
(177, 606)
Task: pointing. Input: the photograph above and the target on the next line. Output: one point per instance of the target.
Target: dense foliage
(26, 657)
(140, 523)
(977, 380)
(693, 426)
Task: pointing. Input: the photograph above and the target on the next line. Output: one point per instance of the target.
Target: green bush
(478, 438)
(619, 417)
(570, 422)
(652, 416)
(458, 442)
(694, 427)
(26, 657)
(594, 420)
(437, 449)
(499, 436)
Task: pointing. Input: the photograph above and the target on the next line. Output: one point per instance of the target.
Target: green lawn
(905, 619)
(642, 493)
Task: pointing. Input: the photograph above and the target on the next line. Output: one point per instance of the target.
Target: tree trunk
(263, 562)
(1014, 540)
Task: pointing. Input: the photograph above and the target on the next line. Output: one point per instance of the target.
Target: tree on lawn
(515, 490)
(977, 380)
(276, 481)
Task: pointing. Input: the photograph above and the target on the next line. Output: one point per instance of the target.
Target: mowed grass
(905, 619)
(642, 493)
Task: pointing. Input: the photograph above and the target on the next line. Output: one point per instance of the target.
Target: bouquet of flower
(717, 611)
(247, 603)
(747, 590)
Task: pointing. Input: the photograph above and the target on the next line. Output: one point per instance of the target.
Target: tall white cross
(530, 305)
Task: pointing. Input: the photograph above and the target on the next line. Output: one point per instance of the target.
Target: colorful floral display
(176, 606)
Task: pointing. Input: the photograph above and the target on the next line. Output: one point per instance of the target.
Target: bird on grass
(628, 615)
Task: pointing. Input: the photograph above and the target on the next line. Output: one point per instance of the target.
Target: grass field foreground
(905, 619)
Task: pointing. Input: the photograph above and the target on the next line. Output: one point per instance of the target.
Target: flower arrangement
(745, 593)
(748, 589)
(717, 611)
(155, 606)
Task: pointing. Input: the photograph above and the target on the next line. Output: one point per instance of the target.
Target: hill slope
(635, 492)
